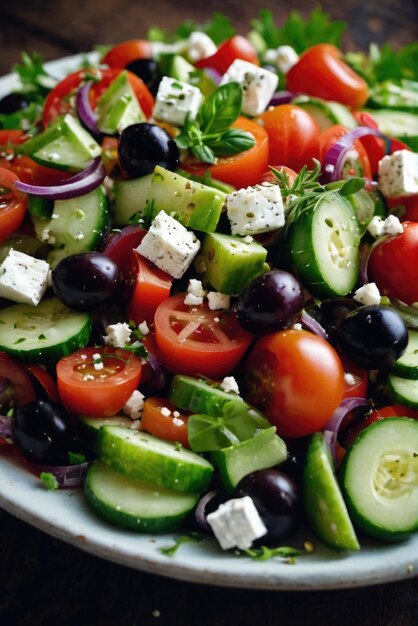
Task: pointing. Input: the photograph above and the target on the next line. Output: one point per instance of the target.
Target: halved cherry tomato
(151, 287)
(45, 380)
(11, 138)
(270, 177)
(293, 135)
(21, 389)
(393, 264)
(61, 99)
(321, 72)
(123, 53)
(354, 165)
(97, 392)
(243, 169)
(238, 47)
(356, 380)
(171, 427)
(297, 379)
(13, 204)
(357, 425)
(411, 208)
(196, 340)
(119, 247)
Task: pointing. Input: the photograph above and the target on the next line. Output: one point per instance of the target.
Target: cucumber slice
(403, 390)
(326, 113)
(407, 365)
(134, 504)
(40, 207)
(185, 72)
(207, 180)
(391, 95)
(129, 197)
(88, 427)
(323, 246)
(45, 333)
(264, 450)
(140, 455)
(118, 107)
(379, 478)
(399, 124)
(324, 504)
(76, 225)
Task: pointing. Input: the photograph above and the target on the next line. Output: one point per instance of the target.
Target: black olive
(143, 146)
(12, 103)
(147, 70)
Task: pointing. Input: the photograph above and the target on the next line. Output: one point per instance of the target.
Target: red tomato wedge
(86, 390)
(151, 286)
(238, 47)
(13, 204)
(45, 380)
(167, 427)
(196, 340)
(123, 53)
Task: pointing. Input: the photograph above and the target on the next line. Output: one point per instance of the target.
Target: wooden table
(44, 582)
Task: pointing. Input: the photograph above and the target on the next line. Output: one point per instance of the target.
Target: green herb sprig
(191, 537)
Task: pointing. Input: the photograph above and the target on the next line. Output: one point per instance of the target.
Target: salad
(208, 283)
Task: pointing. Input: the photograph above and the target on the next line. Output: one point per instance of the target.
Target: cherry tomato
(357, 425)
(60, 99)
(393, 265)
(297, 379)
(358, 165)
(168, 427)
(13, 204)
(11, 138)
(123, 53)
(97, 392)
(270, 177)
(119, 247)
(238, 47)
(321, 72)
(243, 169)
(411, 209)
(21, 384)
(151, 287)
(293, 135)
(196, 340)
(355, 379)
(44, 379)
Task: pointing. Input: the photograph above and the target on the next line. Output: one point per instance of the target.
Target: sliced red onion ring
(66, 475)
(282, 97)
(67, 190)
(5, 427)
(85, 112)
(331, 429)
(213, 74)
(159, 379)
(312, 324)
(333, 162)
(364, 274)
(81, 175)
(200, 510)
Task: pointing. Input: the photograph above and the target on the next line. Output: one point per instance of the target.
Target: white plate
(65, 514)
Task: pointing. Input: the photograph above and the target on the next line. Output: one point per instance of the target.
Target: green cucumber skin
(407, 365)
(45, 353)
(152, 466)
(320, 486)
(304, 257)
(122, 519)
(88, 428)
(129, 197)
(369, 527)
(395, 393)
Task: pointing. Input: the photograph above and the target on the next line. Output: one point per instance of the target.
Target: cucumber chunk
(129, 197)
(44, 333)
(118, 107)
(140, 455)
(399, 124)
(264, 450)
(323, 247)
(407, 365)
(379, 478)
(89, 427)
(403, 390)
(324, 504)
(134, 504)
(326, 113)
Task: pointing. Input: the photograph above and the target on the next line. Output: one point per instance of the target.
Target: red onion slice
(5, 427)
(331, 429)
(364, 265)
(213, 74)
(282, 97)
(157, 383)
(333, 162)
(200, 510)
(81, 175)
(67, 190)
(85, 112)
(66, 475)
(312, 324)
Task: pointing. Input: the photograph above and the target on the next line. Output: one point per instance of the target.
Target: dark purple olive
(373, 337)
(86, 281)
(277, 500)
(143, 146)
(13, 102)
(331, 313)
(44, 433)
(147, 70)
(270, 302)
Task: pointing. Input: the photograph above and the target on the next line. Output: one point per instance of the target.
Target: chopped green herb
(263, 553)
(191, 537)
(75, 458)
(20, 340)
(35, 80)
(49, 480)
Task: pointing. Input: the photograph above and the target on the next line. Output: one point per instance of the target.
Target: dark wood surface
(44, 582)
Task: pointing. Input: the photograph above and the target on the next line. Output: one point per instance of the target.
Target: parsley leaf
(49, 480)
(298, 32)
(382, 64)
(171, 550)
(264, 553)
(75, 458)
(35, 80)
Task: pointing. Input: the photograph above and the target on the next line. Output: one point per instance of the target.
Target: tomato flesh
(13, 204)
(171, 427)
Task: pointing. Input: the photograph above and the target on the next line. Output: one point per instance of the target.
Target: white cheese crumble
(258, 85)
(23, 278)
(230, 385)
(285, 57)
(117, 335)
(389, 226)
(254, 210)
(200, 46)
(165, 411)
(175, 100)
(143, 328)
(349, 378)
(195, 293)
(368, 294)
(217, 300)
(134, 405)
(398, 174)
(97, 361)
(236, 524)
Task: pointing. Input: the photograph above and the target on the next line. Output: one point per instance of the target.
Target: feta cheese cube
(200, 46)
(117, 335)
(285, 57)
(175, 100)
(195, 293)
(143, 328)
(368, 294)
(134, 405)
(255, 210)
(398, 174)
(390, 226)
(230, 385)
(376, 226)
(23, 278)
(217, 300)
(237, 523)
(258, 85)
(169, 245)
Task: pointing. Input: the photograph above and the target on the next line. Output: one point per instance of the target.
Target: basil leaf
(351, 186)
(231, 142)
(203, 153)
(221, 109)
